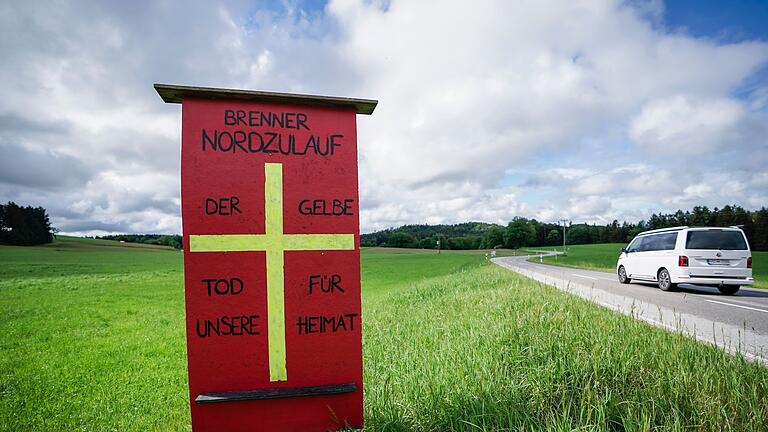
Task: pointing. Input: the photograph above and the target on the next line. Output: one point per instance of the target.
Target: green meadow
(602, 257)
(92, 339)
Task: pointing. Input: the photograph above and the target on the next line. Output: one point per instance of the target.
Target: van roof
(680, 228)
(661, 230)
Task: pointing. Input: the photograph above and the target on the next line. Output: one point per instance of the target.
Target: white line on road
(738, 306)
(744, 301)
(586, 277)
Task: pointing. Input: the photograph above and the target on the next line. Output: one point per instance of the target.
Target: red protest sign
(271, 259)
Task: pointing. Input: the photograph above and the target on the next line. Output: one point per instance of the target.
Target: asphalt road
(736, 323)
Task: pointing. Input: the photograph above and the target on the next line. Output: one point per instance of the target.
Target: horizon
(572, 223)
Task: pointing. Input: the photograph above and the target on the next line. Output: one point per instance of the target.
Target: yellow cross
(274, 242)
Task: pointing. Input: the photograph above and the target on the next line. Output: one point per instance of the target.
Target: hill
(468, 235)
(522, 232)
(79, 256)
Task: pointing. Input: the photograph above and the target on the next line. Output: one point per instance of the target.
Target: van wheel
(665, 281)
(623, 275)
(728, 289)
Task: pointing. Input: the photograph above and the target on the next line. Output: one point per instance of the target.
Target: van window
(716, 239)
(644, 244)
(634, 246)
(657, 242)
(667, 241)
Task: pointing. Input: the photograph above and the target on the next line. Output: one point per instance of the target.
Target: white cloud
(685, 125)
(633, 192)
(587, 97)
(591, 207)
(486, 89)
(598, 184)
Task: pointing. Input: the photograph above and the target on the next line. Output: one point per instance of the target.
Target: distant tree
(613, 233)
(633, 230)
(455, 243)
(760, 224)
(443, 241)
(465, 243)
(657, 221)
(493, 237)
(170, 240)
(402, 240)
(367, 241)
(725, 217)
(428, 243)
(24, 226)
(4, 224)
(579, 234)
(554, 238)
(519, 233)
(744, 219)
(700, 216)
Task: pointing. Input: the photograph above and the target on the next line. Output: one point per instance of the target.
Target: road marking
(738, 306)
(585, 277)
(744, 301)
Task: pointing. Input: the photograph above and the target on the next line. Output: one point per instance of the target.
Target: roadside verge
(732, 339)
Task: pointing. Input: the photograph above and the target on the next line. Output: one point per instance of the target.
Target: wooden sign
(270, 216)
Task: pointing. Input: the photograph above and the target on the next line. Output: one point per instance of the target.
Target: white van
(703, 256)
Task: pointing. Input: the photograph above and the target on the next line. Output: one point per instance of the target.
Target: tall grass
(485, 350)
(92, 338)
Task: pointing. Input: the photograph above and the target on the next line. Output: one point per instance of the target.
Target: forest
(522, 232)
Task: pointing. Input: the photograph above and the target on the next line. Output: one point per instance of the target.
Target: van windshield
(716, 239)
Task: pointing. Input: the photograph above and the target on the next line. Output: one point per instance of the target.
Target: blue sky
(586, 110)
(726, 21)
(732, 21)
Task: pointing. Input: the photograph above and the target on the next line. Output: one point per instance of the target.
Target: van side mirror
(624, 250)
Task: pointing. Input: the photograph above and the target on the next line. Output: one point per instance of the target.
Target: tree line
(522, 232)
(24, 226)
(173, 241)
(31, 225)
(468, 235)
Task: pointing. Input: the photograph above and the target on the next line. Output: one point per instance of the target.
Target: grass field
(602, 257)
(92, 338)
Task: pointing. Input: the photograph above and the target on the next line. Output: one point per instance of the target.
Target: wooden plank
(171, 93)
(231, 396)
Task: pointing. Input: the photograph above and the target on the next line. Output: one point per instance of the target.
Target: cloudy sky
(586, 110)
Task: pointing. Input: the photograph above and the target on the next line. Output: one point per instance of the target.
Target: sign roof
(171, 93)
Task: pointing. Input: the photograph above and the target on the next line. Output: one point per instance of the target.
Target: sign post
(271, 259)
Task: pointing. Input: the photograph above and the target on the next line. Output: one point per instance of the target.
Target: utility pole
(564, 221)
